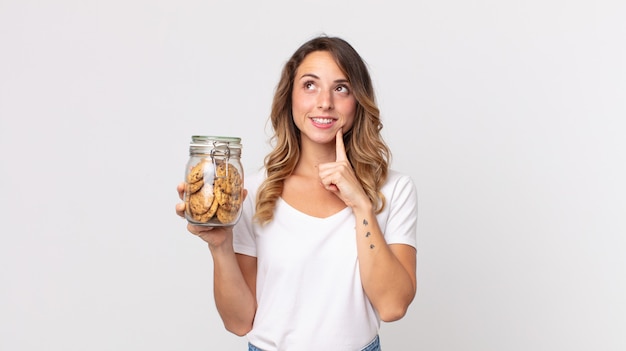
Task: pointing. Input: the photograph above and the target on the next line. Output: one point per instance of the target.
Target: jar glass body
(214, 181)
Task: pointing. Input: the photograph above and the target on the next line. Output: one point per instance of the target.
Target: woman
(325, 247)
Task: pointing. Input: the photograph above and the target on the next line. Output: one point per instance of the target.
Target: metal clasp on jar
(222, 151)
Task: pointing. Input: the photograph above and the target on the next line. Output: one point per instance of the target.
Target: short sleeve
(244, 239)
(399, 223)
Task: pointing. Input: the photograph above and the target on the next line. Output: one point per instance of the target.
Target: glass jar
(214, 181)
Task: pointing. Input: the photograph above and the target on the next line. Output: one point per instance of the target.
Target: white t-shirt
(309, 290)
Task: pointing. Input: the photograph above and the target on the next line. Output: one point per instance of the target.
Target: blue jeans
(372, 346)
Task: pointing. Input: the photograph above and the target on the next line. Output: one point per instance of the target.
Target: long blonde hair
(365, 147)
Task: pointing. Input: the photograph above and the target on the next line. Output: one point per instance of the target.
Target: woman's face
(322, 99)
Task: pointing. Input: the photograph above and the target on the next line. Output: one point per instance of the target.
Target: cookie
(196, 173)
(226, 216)
(194, 187)
(205, 217)
(200, 202)
(214, 206)
(228, 201)
(227, 178)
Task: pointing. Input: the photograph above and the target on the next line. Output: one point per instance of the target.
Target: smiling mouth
(322, 120)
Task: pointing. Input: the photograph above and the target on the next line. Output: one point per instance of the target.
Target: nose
(325, 100)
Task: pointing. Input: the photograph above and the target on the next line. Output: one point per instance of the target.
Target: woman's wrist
(364, 207)
(224, 246)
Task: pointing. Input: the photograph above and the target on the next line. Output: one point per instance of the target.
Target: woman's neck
(311, 156)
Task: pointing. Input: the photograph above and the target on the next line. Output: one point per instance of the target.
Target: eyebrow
(342, 80)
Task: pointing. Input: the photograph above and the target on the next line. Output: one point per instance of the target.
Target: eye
(343, 89)
(309, 85)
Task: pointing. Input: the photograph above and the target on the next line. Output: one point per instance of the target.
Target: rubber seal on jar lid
(208, 138)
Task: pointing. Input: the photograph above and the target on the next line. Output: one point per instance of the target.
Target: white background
(509, 115)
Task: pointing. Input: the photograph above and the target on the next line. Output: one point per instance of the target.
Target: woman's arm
(234, 282)
(388, 272)
(234, 275)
